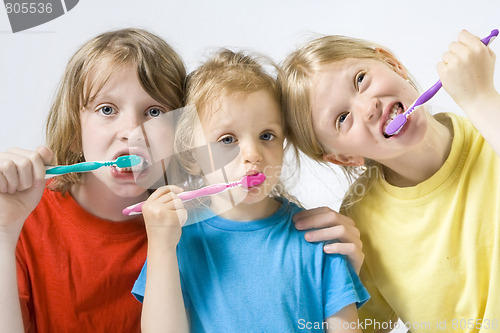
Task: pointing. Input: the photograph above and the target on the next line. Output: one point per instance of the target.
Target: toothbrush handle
(438, 85)
(184, 196)
(51, 171)
(202, 192)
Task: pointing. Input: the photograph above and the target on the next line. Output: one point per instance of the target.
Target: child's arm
(466, 72)
(21, 187)
(344, 321)
(163, 308)
(331, 225)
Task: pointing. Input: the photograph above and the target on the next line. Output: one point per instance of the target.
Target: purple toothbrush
(397, 123)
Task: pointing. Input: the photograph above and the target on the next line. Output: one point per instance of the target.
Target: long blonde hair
(160, 70)
(295, 81)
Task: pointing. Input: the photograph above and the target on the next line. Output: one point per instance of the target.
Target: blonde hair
(160, 70)
(295, 81)
(225, 72)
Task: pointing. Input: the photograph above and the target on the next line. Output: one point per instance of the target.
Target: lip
(251, 173)
(385, 117)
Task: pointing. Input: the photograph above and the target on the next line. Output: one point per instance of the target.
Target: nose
(250, 152)
(369, 108)
(130, 124)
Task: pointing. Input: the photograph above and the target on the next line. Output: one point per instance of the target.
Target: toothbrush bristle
(128, 161)
(253, 180)
(395, 124)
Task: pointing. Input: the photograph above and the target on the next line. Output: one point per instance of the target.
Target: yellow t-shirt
(433, 250)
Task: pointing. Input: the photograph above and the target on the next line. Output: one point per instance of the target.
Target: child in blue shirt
(244, 267)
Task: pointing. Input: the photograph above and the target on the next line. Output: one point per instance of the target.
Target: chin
(127, 190)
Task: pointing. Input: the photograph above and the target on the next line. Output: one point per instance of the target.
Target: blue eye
(341, 119)
(359, 78)
(267, 136)
(106, 110)
(227, 140)
(154, 112)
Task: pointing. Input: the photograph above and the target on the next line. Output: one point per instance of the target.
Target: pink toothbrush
(397, 123)
(246, 182)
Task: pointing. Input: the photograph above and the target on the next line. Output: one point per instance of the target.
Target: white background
(32, 62)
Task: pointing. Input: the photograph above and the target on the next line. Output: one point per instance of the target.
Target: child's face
(252, 122)
(351, 103)
(123, 119)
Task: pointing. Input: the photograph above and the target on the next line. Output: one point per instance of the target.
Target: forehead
(100, 73)
(244, 104)
(339, 77)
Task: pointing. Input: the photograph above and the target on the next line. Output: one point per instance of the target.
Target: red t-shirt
(76, 271)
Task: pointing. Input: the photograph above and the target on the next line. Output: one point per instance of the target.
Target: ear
(393, 62)
(341, 159)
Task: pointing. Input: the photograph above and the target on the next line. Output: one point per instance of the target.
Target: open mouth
(136, 169)
(396, 109)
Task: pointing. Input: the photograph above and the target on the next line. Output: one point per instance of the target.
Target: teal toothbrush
(121, 162)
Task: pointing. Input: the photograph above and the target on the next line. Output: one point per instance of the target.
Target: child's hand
(331, 225)
(164, 214)
(466, 71)
(22, 183)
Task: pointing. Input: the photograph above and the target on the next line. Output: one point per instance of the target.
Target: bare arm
(331, 225)
(344, 321)
(163, 309)
(21, 187)
(467, 71)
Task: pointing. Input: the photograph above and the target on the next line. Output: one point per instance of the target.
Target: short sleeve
(377, 310)
(24, 291)
(341, 285)
(140, 287)
(140, 284)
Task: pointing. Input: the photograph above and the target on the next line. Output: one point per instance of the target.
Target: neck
(100, 201)
(249, 212)
(423, 161)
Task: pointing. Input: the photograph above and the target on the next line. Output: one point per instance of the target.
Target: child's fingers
(17, 168)
(29, 166)
(354, 254)
(343, 233)
(469, 39)
(3, 183)
(9, 171)
(164, 201)
(44, 156)
(457, 48)
(165, 191)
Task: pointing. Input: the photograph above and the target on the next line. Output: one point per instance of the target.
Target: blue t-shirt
(259, 276)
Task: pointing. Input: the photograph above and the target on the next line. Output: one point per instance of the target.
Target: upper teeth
(135, 168)
(393, 113)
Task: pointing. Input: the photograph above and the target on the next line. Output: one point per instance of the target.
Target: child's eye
(359, 79)
(267, 136)
(106, 110)
(154, 112)
(228, 139)
(341, 119)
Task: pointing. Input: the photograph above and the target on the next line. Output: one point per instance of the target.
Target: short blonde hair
(295, 81)
(225, 72)
(160, 70)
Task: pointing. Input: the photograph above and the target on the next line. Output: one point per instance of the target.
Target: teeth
(135, 168)
(396, 109)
